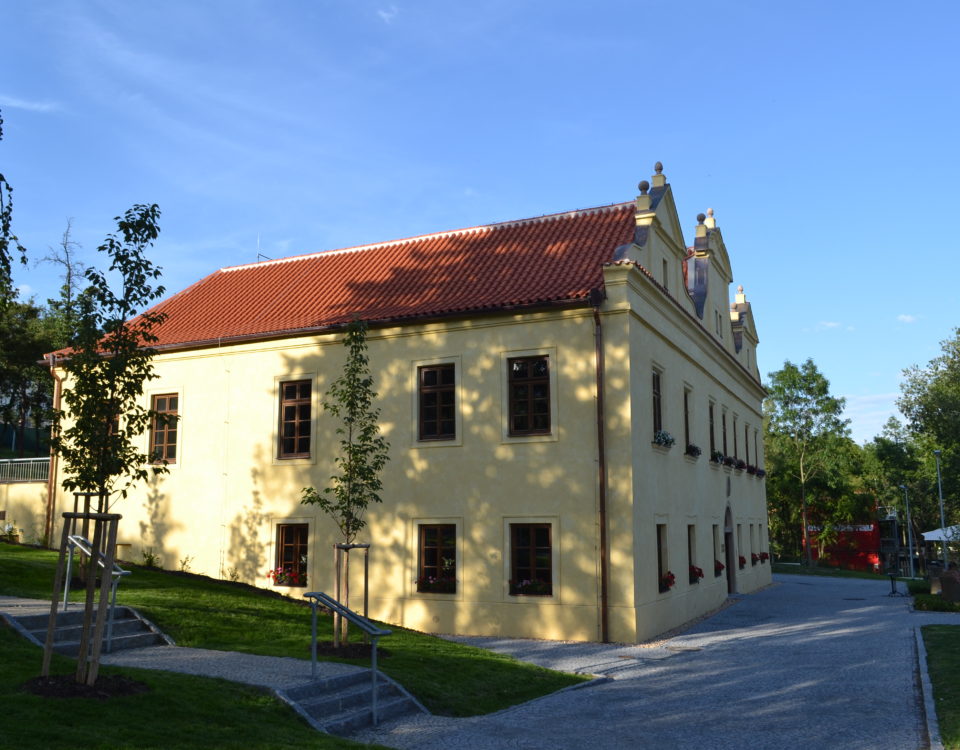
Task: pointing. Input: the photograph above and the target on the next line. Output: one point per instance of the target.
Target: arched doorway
(731, 561)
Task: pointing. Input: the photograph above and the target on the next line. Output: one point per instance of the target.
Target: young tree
(363, 451)
(363, 454)
(802, 422)
(64, 311)
(108, 364)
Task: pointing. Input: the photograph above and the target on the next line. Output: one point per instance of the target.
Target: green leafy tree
(25, 385)
(9, 244)
(363, 451)
(108, 364)
(803, 425)
(930, 400)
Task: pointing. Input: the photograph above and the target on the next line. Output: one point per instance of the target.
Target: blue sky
(823, 134)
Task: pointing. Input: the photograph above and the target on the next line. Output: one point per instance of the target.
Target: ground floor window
(437, 567)
(291, 561)
(531, 559)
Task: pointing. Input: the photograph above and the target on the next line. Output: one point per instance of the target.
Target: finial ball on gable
(700, 218)
(658, 168)
(644, 187)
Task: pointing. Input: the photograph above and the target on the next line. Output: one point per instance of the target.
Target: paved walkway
(808, 662)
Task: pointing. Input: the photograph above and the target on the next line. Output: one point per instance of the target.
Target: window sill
(664, 449)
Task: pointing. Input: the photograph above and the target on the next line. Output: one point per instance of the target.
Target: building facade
(573, 407)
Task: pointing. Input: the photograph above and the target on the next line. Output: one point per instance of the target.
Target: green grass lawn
(943, 661)
(449, 678)
(180, 711)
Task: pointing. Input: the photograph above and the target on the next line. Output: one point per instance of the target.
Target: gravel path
(808, 662)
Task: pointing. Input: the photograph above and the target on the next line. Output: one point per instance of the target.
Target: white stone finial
(710, 221)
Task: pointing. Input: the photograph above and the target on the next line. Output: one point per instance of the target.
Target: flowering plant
(751, 469)
(740, 465)
(695, 574)
(761, 473)
(718, 567)
(716, 457)
(287, 577)
(743, 562)
(663, 438)
(764, 556)
(10, 530)
(531, 588)
(436, 584)
(666, 581)
(729, 461)
(754, 558)
(693, 451)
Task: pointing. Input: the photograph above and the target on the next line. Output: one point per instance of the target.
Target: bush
(918, 587)
(931, 603)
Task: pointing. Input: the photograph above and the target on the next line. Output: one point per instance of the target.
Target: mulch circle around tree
(66, 686)
(349, 650)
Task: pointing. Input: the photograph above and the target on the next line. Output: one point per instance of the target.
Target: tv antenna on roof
(259, 254)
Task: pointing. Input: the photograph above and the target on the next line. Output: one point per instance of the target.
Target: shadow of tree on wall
(154, 531)
(247, 533)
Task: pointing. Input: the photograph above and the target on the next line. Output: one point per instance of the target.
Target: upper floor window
(723, 430)
(163, 429)
(529, 395)
(736, 451)
(295, 418)
(686, 417)
(657, 402)
(746, 443)
(437, 402)
(713, 441)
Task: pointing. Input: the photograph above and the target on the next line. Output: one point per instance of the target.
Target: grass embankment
(449, 678)
(943, 662)
(180, 711)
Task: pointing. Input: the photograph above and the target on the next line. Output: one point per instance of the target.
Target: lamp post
(906, 500)
(943, 522)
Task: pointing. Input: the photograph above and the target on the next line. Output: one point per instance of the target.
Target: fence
(24, 469)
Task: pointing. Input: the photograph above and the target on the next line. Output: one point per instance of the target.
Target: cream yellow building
(531, 377)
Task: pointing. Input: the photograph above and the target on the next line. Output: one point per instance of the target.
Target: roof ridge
(434, 235)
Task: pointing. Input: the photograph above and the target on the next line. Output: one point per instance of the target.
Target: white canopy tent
(948, 534)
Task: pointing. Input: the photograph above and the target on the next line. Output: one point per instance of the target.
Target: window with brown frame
(529, 379)
(294, 437)
(713, 440)
(723, 429)
(292, 550)
(437, 568)
(657, 403)
(686, 417)
(437, 402)
(531, 559)
(163, 428)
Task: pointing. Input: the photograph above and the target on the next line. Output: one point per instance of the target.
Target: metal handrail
(318, 598)
(76, 541)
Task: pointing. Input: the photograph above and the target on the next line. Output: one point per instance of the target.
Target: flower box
(431, 585)
(740, 465)
(287, 577)
(667, 580)
(743, 562)
(718, 567)
(754, 558)
(729, 461)
(663, 438)
(531, 588)
(761, 473)
(716, 457)
(695, 574)
(764, 556)
(693, 451)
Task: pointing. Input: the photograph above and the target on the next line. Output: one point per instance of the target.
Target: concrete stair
(341, 705)
(129, 630)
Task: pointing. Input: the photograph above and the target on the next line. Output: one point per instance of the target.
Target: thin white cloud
(14, 103)
(387, 15)
(907, 318)
(828, 324)
(25, 291)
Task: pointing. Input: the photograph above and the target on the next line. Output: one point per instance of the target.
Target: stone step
(73, 616)
(127, 626)
(348, 722)
(329, 704)
(133, 640)
(329, 684)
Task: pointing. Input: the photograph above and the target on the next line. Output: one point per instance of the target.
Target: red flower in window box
(531, 588)
(287, 577)
(754, 558)
(743, 562)
(695, 574)
(764, 556)
(667, 580)
(718, 567)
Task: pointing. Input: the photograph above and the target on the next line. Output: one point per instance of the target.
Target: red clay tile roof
(556, 258)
